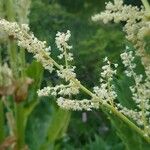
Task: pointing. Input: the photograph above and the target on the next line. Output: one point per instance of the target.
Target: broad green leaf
(57, 128)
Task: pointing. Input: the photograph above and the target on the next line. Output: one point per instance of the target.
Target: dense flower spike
(137, 26)
(28, 41)
(62, 39)
(78, 105)
(140, 92)
(66, 72)
(61, 89)
(127, 60)
(106, 91)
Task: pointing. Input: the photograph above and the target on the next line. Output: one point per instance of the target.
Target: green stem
(12, 49)
(144, 116)
(22, 61)
(13, 57)
(2, 123)
(20, 133)
(2, 8)
(12, 53)
(65, 54)
(121, 116)
(127, 121)
(28, 110)
(10, 13)
(109, 107)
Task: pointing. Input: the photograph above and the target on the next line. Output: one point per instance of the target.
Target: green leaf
(57, 128)
(97, 144)
(124, 94)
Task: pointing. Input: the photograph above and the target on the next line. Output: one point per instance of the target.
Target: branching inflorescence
(104, 95)
(137, 27)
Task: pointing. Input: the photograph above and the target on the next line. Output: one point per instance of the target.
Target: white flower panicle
(128, 61)
(136, 25)
(28, 41)
(77, 105)
(140, 92)
(42, 53)
(108, 72)
(106, 91)
(66, 71)
(62, 39)
(118, 12)
(70, 89)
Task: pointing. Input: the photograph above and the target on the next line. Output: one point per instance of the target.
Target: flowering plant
(104, 96)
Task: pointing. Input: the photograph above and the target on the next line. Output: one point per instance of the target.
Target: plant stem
(144, 116)
(12, 53)
(22, 61)
(2, 8)
(109, 107)
(65, 54)
(2, 123)
(10, 13)
(127, 121)
(12, 49)
(20, 133)
(120, 115)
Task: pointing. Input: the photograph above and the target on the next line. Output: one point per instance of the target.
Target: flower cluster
(106, 90)
(137, 26)
(140, 92)
(128, 61)
(62, 44)
(78, 105)
(28, 41)
(62, 39)
(61, 89)
(65, 72)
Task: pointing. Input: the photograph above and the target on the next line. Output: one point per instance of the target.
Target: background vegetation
(49, 127)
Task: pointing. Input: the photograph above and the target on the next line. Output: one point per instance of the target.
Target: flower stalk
(17, 61)
(107, 106)
(20, 126)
